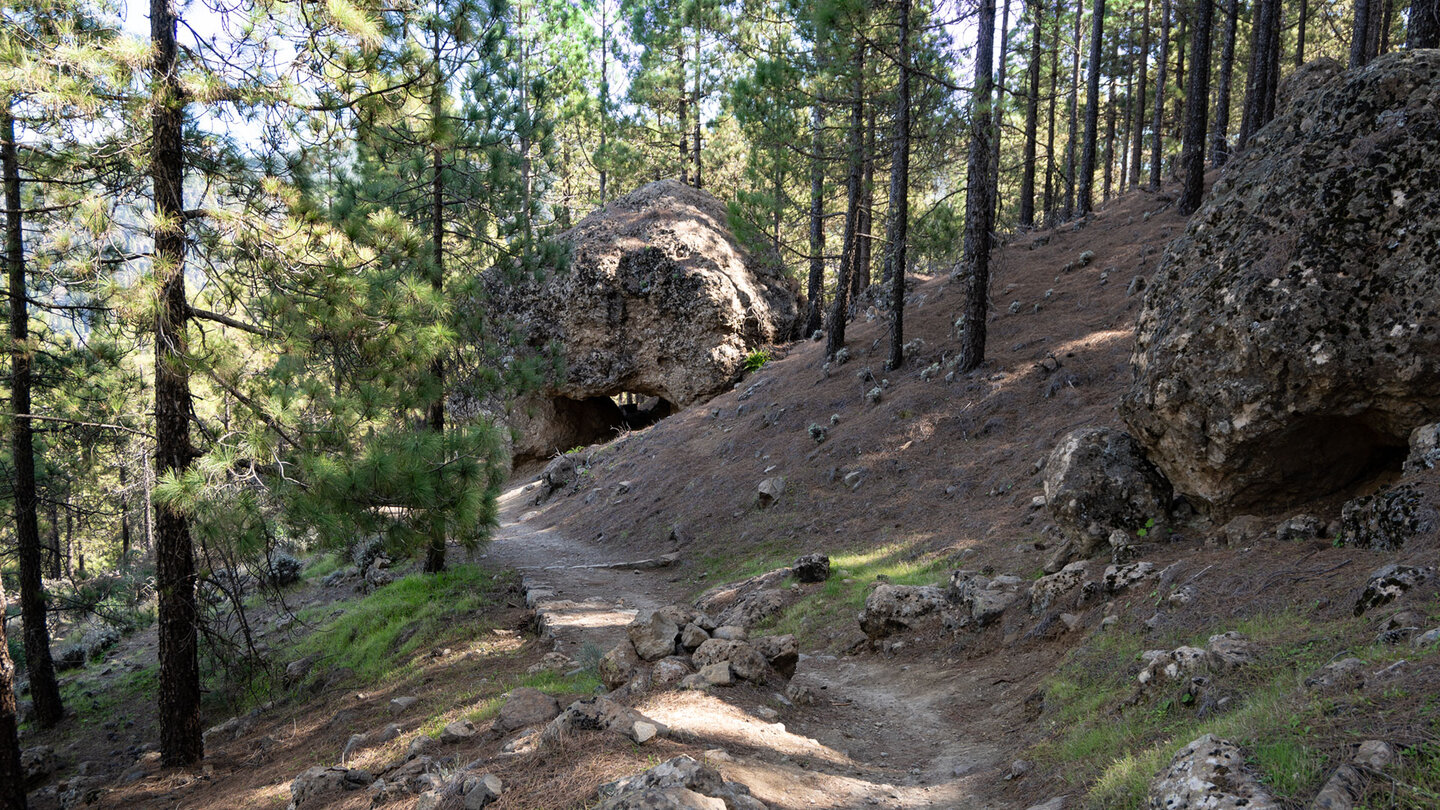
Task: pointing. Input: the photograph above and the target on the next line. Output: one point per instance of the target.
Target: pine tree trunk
(1360, 34)
(1137, 134)
(1372, 29)
(815, 284)
(12, 776)
(1000, 105)
(695, 105)
(1050, 164)
(1264, 71)
(1032, 114)
(604, 99)
(1219, 139)
(1073, 143)
(435, 411)
(43, 686)
(1385, 23)
(52, 515)
(839, 308)
(860, 279)
(977, 200)
(1301, 23)
(1085, 187)
(124, 517)
(1192, 153)
(1157, 124)
(1424, 24)
(179, 698)
(900, 195)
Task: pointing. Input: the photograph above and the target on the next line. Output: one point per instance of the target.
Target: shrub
(285, 569)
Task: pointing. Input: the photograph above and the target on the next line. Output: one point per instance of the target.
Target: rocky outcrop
(658, 298)
(681, 783)
(1098, 481)
(1287, 342)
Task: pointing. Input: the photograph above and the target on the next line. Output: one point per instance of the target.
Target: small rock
(458, 731)
(812, 568)
(1209, 773)
(717, 674)
(481, 791)
(729, 632)
(654, 635)
(401, 704)
(692, 636)
(770, 491)
(526, 707)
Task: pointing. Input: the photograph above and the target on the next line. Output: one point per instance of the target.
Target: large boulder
(659, 298)
(1098, 481)
(1208, 774)
(1287, 344)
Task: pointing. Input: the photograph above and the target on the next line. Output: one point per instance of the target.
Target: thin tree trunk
(1181, 38)
(1137, 134)
(1302, 22)
(860, 279)
(52, 550)
(604, 160)
(1157, 124)
(43, 686)
(1073, 143)
(839, 308)
(900, 196)
(695, 104)
(1196, 106)
(1372, 29)
(1050, 127)
(1219, 139)
(124, 516)
(148, 484)
(12, 776)
(1085, 192)
(179, 698)
(815, 284)
(1360, 34)
(977, 200)
(435, 411)
(1001, 89)
(1032, 114)
(682, 115)
(1385, 24)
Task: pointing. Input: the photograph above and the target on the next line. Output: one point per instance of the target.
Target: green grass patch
(322, 565)
(1110, 740)
(377, 635)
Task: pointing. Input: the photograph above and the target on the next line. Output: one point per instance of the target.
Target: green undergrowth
(1414, 782)
(834, 604)
(1110, 738)
(485, 699)
(321, 566)
(376, 636)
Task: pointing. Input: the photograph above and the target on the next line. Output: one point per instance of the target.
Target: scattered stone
(230, 730)
(692, 636)
(852, 478)
(617, 665)
(1387, 519)
(770, 491)
(812, 568)
(729, 632)
(296, 671)
(421, 744)
(1136, 285)
(1243, 530)
(1336, 672)
(1229, 650)
(402, 704)
(745, 661)
(37, 763)
(458, 731)
(1097, 480)
(1047, 590)
(654, 635)
(1389, 582)
(1170, 664)
(1426, 639)
(891, 609)
(526, 707)
(1208, 774)
(677, 784)
(783, 652)
(307, 788)
(670, 670)
(1121, 577)
(1299, 528)
(602, 714)
(481, 791)
(717, 674)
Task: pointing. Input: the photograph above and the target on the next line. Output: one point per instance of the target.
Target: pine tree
(1084, 193)
(1192, 156)
(1424, 24)
(1032, 113)
(1219, 141)
(1157, 136)
(899, 235)
(12, 776)
(977, 200)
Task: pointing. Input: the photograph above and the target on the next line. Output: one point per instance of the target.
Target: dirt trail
(886, 732)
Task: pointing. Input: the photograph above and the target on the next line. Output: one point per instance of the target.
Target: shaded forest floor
(937, 474)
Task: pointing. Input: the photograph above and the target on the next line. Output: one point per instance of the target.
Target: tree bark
(1157, 123)
(1086, 182)
(1360, 34)
(977, 200)
(1424, 24)
(1302, 22)
(435, 411)
(44, 689)
(1264, 70)
(1032, 114)
(1219, 139)
(1196, 107)
(839, 308)
(1050, 164)
(1137, 134)
(860, 278)
(1073, 143)
(900, 196)
(12, 776)
(815, 284)
(179, 699)
(999, 109)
